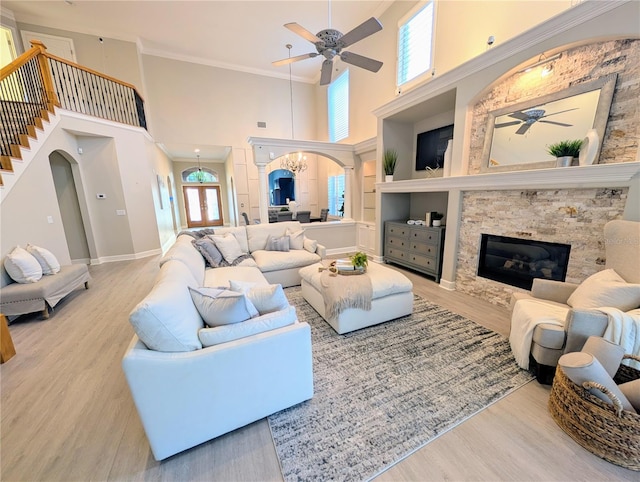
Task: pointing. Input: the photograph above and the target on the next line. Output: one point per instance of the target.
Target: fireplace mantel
(599, 175)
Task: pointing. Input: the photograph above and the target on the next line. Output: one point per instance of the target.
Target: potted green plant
(565, 151)
(389, 164)
(359, 260)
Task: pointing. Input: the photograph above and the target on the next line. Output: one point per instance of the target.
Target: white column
(348, 182)
(264, 195)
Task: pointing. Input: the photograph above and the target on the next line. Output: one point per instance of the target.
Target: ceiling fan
(330, 42)
(529, 117)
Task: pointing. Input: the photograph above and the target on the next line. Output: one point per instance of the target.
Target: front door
(203, 207)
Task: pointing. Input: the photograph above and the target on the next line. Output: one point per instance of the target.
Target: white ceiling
(240, 35)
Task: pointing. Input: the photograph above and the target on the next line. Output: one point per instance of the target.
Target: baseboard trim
(126, 257)
(447, 285)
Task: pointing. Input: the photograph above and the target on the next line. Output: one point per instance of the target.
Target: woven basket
(594, 424)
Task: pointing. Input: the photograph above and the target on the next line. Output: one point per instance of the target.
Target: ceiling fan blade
(507, 124)
(523, 128)
(366, 28)
(560, 112)
(519, 115)
(361, 61)
(556, 123)
(325, 73)
(290, 60)
(303, 32)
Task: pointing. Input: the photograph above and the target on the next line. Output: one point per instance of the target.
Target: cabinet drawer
(396, 242)
(422, 248)
(397, 230)
(396, 253)
(425, 236)
(423, 261)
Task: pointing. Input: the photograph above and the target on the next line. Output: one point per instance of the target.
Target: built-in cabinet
(416, 247)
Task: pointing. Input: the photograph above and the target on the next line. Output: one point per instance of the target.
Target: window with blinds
(336, 195)
(415, 43)
(338, 104)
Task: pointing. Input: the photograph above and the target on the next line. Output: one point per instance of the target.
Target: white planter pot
(388, 178)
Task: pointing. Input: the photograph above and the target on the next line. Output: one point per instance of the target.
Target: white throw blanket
(527, 314)
(624, 330)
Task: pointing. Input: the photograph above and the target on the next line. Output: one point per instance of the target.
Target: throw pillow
(228, 245)
(605, 288)
(47, 260)
(296, 240)
(266, 298)
(207, 248)
(222, 307)
(22, 266)
(310, 245)
(277, 243)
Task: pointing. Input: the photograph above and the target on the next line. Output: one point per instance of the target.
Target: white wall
(461, 32)
(114, 162)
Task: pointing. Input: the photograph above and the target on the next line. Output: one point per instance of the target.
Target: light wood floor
(67, 413)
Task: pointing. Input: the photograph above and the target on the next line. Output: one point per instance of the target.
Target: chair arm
(321, 251)
(580, 325)
(552, 290)
(187, 398)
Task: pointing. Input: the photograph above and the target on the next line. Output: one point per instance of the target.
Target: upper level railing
(37, 81)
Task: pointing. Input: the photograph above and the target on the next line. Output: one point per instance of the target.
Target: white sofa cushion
(277, 260)
(296, 238)
(219, 307)
(310, 245)
(47, 260)
(227, 333)
(228, 245)
(22, 266)
(266, 299)
(186, 253)
(257, 234)
(240, 234)
(166, 319)
(219, 277)
(605, 289)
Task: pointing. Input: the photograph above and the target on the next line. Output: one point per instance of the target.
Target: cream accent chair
(550, 341)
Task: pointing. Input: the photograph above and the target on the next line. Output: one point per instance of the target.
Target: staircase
(34, 85)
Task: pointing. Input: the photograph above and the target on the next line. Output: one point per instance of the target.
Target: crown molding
(5, 12)
(368, 145)
(221, 65)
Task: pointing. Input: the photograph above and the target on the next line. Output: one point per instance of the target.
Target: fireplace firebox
(517, 261)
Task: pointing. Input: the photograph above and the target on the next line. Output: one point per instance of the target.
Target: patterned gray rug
(383, 392)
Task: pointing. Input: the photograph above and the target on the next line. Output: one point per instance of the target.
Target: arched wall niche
(579, 63)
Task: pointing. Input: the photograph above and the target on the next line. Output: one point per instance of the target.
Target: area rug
(383, 392)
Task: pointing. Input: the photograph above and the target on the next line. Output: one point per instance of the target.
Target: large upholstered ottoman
(392, 298)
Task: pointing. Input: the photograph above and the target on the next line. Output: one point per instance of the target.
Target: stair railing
(37, 81)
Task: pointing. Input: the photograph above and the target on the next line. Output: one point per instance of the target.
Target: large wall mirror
(518, 135)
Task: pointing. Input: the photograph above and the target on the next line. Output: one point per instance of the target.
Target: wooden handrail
(38, 48)
(91, 71)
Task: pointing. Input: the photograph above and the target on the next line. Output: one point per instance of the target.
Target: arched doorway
(70, 212)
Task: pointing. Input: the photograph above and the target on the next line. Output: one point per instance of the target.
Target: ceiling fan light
(548, 70)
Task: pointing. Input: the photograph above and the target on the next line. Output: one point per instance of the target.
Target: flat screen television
(430, 147)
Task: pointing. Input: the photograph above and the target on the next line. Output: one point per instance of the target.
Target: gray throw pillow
(277, 243)
(209, 251)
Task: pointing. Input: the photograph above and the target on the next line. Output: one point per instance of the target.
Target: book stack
(344, 265)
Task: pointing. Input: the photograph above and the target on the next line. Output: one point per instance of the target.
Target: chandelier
(295, 162)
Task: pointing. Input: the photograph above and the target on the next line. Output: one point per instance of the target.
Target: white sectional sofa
(191, 383)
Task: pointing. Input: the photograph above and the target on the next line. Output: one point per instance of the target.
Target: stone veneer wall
(576, 66)
(572, 216)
